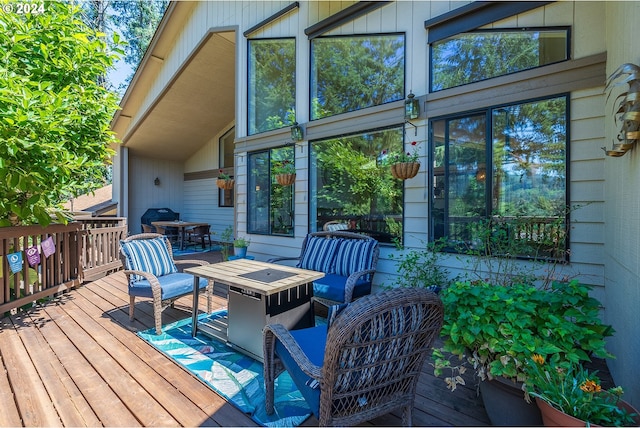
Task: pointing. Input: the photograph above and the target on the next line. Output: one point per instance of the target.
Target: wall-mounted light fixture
(296, 132)
(156, 181)
(411, 107)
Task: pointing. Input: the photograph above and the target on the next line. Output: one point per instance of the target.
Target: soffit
(199, 101)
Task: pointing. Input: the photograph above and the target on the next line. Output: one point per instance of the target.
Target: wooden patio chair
(200, 234)
(364, 363)
(170, 232)
(152, 273)
(147, 229)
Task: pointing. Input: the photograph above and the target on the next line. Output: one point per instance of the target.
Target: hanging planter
(285, 179)
(405, 170)
(225, 184)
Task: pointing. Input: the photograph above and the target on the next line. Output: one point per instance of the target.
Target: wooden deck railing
(101, 245)
(57, 272)
(85, 250)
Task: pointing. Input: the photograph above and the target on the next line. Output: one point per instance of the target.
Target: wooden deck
(77, 361)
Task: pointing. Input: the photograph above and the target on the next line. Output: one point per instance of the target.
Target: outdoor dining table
(181, 225)
(260, 293)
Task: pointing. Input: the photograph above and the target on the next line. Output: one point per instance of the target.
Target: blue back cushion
(148, 255)
(354, 255)
(319, 254)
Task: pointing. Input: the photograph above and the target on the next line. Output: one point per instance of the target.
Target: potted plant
(496, 328)
(569, 395)
(240, 246)
(284, 171)
(403, 165)
(224, 181)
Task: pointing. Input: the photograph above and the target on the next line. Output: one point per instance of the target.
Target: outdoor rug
(235, 376)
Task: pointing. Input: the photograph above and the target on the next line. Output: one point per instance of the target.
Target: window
(351, 189)
(483, 54)
(227, 163)
(270, 205)
(507, 164)
(355, 72)
(272, 84)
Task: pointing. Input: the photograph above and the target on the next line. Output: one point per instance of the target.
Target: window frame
(310, 191)
(224, 195)
(568, 56)
(270, 232)
(489, 153)
(248, 99)
(357, 35)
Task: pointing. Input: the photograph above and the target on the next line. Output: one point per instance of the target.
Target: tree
(137, 20)
(54, 113)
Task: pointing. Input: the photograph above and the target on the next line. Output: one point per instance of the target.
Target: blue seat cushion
(312, 341)
(331, 287)
(148, 255)
(172, 285)
(319, 254)
(354, 255)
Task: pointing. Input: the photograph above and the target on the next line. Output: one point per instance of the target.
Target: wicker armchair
(364, 363)
(348, 260)
(152, 273)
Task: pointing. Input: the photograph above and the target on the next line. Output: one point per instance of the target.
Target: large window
(506, 164)
(272, 84)
(227, 163)
(355, 72)
(475, 56)
(351, 189)
(270, 204)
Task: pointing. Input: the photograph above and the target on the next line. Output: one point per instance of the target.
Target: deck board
(76, 361)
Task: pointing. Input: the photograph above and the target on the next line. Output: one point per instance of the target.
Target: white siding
(169, 194)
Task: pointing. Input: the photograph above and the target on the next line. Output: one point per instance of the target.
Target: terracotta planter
(405, 170)
(225, 184)
(552, 417)
(505, 404)
(285, 179)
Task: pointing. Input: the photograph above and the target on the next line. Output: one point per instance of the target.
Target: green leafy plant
(573, 390)
(226, 237)
(421, 267)
(283, 167)
(496, 328)
(222, 175)
(241, 242)
(54, 112)
(516, 250)
(401, 157)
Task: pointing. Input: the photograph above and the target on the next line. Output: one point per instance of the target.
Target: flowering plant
(222, 175)
(571, 389)
(402, 157)
(283, 167)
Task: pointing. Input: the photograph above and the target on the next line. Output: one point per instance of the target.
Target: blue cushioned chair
(152, 273)
(348, 260)
(364, 363)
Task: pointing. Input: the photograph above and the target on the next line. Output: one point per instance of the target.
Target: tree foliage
(54, 113)
(137, 20)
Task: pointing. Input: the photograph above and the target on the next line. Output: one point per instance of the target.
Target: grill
(159, 214)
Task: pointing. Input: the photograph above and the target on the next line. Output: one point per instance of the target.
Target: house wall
(622, 208)
(169, 194)
(605, 227)
(201, 195)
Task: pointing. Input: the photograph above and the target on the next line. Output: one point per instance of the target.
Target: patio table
(181, 225)
(260, 293)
